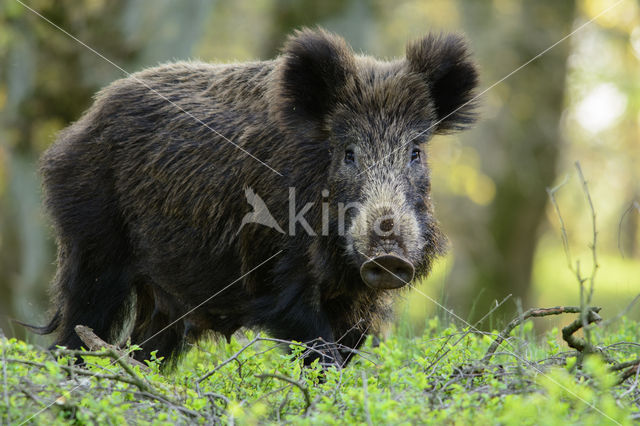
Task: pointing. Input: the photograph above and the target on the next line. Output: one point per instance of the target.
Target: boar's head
(376, 118)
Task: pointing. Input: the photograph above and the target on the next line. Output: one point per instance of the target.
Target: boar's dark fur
(146, 192)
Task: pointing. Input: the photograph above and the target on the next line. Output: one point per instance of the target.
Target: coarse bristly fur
(146, 201)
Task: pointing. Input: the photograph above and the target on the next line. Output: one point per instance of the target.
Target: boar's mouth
(387, 271)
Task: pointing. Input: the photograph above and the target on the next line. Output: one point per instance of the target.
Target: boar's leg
(93, 284)
(351, 341)
(152, 329)
(94, 287)
(304, 324)
(290, 316)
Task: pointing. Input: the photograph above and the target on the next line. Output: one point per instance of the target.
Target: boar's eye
(349, 156)
(415, 155)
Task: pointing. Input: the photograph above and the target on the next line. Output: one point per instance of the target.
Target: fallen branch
(474, 327)
(234, 357)
(83, 372)
(144, 389)
(170, 404)
(95, 343)
(116, 358)
(632, 368)
(300, 386)
(630, 372)
(581, 345)
(318, 349)
(623, 365)
(534, 313)
(32, 396)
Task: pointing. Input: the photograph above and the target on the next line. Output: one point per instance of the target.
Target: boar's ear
(444, 62)
(315, 67)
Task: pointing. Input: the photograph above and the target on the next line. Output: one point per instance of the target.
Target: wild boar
(149, 193)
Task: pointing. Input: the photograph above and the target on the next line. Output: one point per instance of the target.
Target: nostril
(386, 272)
(386, 225)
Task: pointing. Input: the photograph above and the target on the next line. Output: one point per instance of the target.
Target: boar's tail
(44, 329)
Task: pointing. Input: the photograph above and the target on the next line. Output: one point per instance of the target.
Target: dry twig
(581, 345)
(234, 357)
(95, 343)
(535, 312)
(296, 383)
(632, 369)
(472, 328)
(584, 301)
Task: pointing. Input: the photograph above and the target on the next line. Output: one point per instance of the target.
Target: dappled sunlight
(623, 16)
(601, 107)
(457, 170)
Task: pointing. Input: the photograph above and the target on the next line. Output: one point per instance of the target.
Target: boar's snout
(386, 272)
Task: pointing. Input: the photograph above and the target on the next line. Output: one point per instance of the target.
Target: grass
(617, 284)
(436, 377)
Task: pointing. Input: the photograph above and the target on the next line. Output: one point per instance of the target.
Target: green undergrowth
(437, 378)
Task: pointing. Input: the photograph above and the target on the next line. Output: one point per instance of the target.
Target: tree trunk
(518, 147)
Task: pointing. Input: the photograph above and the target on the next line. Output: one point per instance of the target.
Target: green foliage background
(579, 101)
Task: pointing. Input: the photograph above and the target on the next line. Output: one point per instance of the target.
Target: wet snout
(386, 272)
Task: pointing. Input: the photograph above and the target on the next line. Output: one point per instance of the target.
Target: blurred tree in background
(517, 148)
(578, 102)
(47, 81)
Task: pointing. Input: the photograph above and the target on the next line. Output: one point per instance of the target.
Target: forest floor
(447, 375)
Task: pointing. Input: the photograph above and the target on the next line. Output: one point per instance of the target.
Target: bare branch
(623, 312)
(474, 327)
(633, 370)
(623, 365)
(169, 403)
(634, 205)
(81, 372)
(95, 343)
(296, 383)
(563, 228)
(581, 345)
(594, 230)
(535, 312)
(227, 361)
